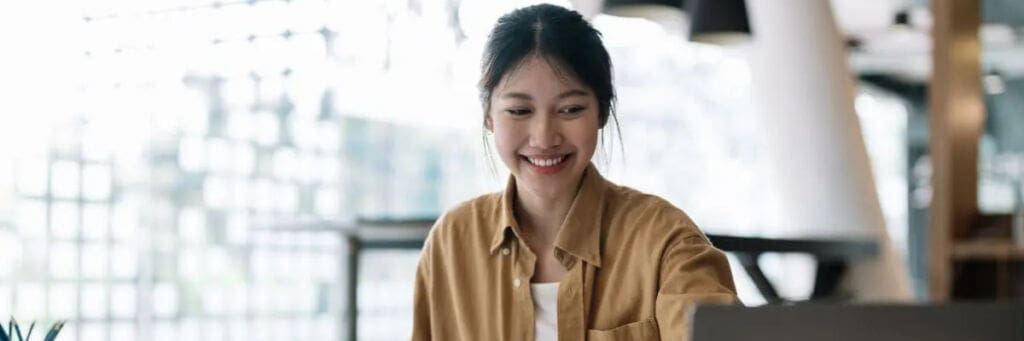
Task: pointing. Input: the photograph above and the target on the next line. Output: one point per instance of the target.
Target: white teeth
(546, 162)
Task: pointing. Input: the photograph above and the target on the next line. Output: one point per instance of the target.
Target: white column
(804, 92)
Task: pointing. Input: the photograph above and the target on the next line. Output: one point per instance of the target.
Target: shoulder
(648, 213)
(466, 222)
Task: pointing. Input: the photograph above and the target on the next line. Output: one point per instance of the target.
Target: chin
(550, 185)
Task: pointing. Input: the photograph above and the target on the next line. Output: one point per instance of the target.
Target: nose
(544, 133)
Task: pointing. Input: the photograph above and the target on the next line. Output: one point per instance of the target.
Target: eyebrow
(527, 97)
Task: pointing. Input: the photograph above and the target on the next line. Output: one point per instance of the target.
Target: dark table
(833, 255)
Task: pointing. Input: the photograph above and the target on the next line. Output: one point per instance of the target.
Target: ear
(488, 123)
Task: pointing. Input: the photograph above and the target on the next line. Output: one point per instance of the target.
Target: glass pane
(329, 137)
(191, 154)
(386, 279)
(31, 218)
(267, 128)
(192, 263)
(244, 159)
(64, 220)
(194, 122)
(239, 193)
(213, 300)
(124, 261)
(65, 179)
(238, 330)
(10, 253)
(327, 328)
(93, 331)
(125, 222)
(330, 170)
(328, 202)
(237, 228)
(264, 195)
(97, 183)
(165, 331)
(165, 299)
(32, 176)
(189, 329)
(214, 330)
(236, 299)
(304, 133)
(95, 222)
(122, 301)
(30, 301)
(94, 302)
(220, 155)
(122, 331)
(6, 297)
(94, 261)
(218, 263)
(239, 125)
(215, 192)
(64, 260)
(306, 167)
(192, 225)
(35, 254)
(287, 199)
(63, 301)
(284, 163)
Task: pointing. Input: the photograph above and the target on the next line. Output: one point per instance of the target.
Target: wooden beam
(957, 119)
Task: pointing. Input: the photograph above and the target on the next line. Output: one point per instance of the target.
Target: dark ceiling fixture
(678, 4)
(720, 22)
(902, 18)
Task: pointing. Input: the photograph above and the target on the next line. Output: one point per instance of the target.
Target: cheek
(585, 137)
(588, 142)
(506, 138)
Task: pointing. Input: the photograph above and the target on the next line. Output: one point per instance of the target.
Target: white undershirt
(545, 307)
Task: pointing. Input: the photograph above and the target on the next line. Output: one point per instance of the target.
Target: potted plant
(14, 330)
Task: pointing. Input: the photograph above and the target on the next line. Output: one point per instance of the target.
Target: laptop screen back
(974, 321)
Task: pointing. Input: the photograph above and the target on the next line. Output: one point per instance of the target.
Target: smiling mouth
(547, 161)
(547, 164)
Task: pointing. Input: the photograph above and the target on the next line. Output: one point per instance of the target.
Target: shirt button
(505, 251)
(515, 282)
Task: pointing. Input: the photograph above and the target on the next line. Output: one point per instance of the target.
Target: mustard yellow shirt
(636, 265)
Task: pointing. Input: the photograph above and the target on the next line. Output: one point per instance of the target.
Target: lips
(547, 164)
(546, 161)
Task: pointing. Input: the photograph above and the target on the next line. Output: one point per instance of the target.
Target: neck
(540, 215)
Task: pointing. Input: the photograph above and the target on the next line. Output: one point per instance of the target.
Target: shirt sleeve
(692, 272)
(421, 315)
(421, 304)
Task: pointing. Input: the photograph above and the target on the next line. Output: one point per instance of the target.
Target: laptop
(958, 321)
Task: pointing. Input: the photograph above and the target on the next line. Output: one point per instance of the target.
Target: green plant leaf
(18, 329)
(30, 327)
(54, 331)
(3, 334)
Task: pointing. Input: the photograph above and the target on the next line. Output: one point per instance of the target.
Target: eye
(576, 109)
(517, 111)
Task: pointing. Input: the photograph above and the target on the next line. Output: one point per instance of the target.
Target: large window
(147, 208)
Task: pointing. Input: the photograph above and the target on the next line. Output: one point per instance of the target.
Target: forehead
(538, 75)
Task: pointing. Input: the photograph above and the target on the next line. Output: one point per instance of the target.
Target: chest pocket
(646, 330)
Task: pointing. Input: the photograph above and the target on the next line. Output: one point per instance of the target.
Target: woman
(561, 254)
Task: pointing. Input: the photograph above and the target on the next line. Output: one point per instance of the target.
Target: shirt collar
(580, 233)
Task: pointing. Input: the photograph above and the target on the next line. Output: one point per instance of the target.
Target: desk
(833, 255)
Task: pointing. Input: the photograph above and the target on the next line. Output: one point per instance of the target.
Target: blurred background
(161, 162)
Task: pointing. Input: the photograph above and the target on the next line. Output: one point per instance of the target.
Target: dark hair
(560, 36)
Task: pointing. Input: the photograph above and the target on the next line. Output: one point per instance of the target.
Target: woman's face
(545, 127)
